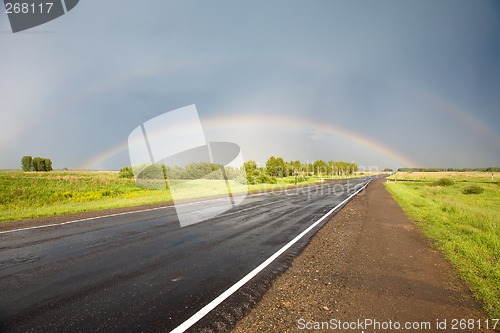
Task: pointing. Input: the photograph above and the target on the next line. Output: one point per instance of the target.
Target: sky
(384, 84)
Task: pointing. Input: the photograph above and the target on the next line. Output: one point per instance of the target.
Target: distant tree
(353, 167)
(198, 170)
(292, 166)
(42, 164)
(48, 164)
(320, 167)
(37, 164)
(27, 163)
(251, 172)
(250, 167)
(275, 166)
(342, 168)
(308, 168)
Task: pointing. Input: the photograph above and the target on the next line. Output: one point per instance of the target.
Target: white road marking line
(218, 300)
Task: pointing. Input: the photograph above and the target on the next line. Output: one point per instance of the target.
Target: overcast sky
(379, 83)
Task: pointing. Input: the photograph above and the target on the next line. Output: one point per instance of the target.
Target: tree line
(276, 167)
(490, 169)
(29, 163)
(191, 171)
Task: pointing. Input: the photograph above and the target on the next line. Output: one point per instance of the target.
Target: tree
(308, 168)
(48, 164)
(291, 166)
(199, 170)
(342, 168)
(251, 171)
(27, 163)
(353, 167)
(275, 166)
(320, 167)
(42, 164)
(37, 164)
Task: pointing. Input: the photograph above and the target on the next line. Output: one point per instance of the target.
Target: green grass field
(465, 227)
(25, 195)
(28, 195)
(472, 176)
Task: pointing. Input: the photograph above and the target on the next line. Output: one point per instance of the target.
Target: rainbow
(257, 121)
(105, 155)
(458, 114)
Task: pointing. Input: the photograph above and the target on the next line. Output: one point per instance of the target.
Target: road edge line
(222, 297)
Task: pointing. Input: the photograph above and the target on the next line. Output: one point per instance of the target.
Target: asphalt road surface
(141, 271)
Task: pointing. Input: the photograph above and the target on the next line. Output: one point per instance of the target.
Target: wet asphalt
(142, 272)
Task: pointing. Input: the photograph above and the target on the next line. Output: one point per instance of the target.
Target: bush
(443, 182)
(256, 177)
(265, 178)
(300, 179)
(126, 172)
(473, 189)
(250, 180)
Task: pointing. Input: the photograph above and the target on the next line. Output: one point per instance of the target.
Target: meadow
(25, 195)
(463, 224)
(466, 176)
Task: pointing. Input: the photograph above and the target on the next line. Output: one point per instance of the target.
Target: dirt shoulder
(369, 262)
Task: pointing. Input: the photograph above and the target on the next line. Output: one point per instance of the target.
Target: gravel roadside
(370, 262)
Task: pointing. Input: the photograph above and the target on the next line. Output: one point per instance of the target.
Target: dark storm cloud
(77, 86)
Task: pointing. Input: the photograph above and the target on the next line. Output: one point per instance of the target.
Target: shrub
(473, 189)
(126, 172)
(443, 182)
(251, 180)
(300, 179)
(265, 178)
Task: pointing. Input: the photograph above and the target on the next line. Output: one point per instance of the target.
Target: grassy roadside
(29, 195)
(466, 227)
(25, 195)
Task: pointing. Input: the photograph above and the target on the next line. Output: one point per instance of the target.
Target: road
(141, 271)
